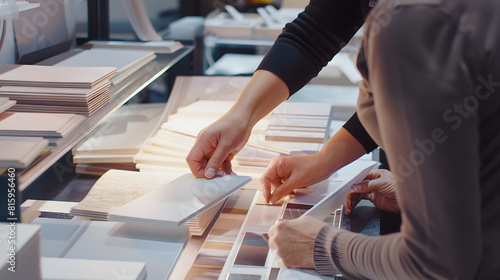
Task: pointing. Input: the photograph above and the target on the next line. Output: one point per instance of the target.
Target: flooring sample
(122, 60)
(58, 100)
(253, 250)
(123, 132)
(38, 124)
(303, 109)
(53, 76)
(178, 201)
(336, 196)
(116, 188)
(5, 103)
(166, 46)
(79, 269)
(19, 152)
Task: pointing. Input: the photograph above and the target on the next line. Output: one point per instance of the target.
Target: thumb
(215, 161)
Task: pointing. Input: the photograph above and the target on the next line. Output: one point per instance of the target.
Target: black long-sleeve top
(309, 42)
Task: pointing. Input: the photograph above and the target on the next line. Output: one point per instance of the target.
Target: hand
(285, 174)
(379, 187)
(293, 241)
(216, 146)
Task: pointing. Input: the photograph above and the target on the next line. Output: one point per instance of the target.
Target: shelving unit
(119, 95)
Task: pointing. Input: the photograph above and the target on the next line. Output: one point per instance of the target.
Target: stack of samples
(53, 127)
(126, 62)
(190, 201)
(167, 149)
(300, 122)
(114, 143)
(19, 251)
(20, 152)
(38, 88)
(178, 201)
(5, 104)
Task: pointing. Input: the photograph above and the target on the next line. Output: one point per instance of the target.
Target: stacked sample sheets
(5, 103)
(114, 143)
(38, 88)
(300, 122)
(126, 62)
(53, 127)
(176, 202)
(20, 152)
(117, 188)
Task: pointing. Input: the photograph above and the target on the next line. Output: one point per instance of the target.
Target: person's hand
(379, 187)
(294, 241)
(285, 174)
(216, 146)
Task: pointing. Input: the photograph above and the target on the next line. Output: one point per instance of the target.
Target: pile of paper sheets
(53, 127)
(114, 143)
(39, 88)
(165, 46)
(5, 103)
(19, 152)
(24, 261)
(178, 201)
(168, 148)
(118, 187)
(126, 62)
(300, 122)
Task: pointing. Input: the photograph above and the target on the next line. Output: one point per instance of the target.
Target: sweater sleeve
(309, 42)
(435, 160)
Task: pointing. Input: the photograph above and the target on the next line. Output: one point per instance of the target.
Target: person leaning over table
(428, 97)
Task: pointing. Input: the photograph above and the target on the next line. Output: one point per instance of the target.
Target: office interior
(212, 62)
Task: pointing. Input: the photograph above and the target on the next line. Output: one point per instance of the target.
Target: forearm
(340, 150)
(260, 96)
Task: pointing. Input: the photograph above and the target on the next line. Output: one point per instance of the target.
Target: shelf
(119, 95)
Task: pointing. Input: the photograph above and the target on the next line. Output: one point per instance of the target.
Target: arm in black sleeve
(354, 126)
(309, 42)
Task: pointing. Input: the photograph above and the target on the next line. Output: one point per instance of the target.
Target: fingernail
(347, 211)
(220, 173)
(356, 187)
(210, 173)
(274, 199)
(232, 173)
(349, 202)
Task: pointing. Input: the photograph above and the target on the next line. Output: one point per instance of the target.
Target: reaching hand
(216, 145)
(379, 187)
(294, 241)
(285, 174)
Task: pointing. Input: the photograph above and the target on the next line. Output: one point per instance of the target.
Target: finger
(216, 160)
(197, 161)
(267, 180)
(226, 167)
(283, 190)
(367, 186)
(374, 174)
(352, 199)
